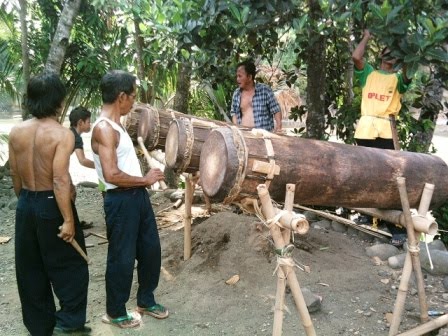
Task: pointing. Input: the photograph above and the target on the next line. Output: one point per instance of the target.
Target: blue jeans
(132, 234)
(45, 263)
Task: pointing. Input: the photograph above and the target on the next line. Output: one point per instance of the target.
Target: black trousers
(132, 234)
(46, 263)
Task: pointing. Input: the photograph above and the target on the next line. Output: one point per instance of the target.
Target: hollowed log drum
(325, 173)
(184, 143)
(152, 124)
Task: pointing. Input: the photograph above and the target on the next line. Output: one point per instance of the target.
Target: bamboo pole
(407, 268)
(427, 327)
(401, 296)
(279, 302)
(148, 159)
(288, 206)
(421, 222)
(413, 249)
(281, 277)
(189, 190)
(291, 278)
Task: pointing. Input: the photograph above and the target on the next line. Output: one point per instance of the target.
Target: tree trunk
(315, 121)
(349, 71)
(430, 111)
(182, 88)
(61, 37)
(139, 45)
(25, 53)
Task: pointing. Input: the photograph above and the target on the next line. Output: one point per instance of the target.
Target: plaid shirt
(264, 106)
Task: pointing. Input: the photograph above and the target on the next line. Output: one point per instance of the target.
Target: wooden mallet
(78, 248)
(149, 159)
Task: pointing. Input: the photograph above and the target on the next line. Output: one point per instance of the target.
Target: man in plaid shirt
(254, 104)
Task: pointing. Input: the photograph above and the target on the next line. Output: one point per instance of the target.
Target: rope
(240, 145)
(189, 132)
(276, 218)
(413, 248)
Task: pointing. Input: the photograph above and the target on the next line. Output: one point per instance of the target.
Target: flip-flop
(78, 331)
(131, 320)
(158, 311)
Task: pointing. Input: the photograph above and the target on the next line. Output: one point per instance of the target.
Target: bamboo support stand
(285, 273)
(412, 261)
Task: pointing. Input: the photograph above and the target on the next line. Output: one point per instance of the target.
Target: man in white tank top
(130, 221)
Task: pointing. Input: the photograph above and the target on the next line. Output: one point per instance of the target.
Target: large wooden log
(325, 173)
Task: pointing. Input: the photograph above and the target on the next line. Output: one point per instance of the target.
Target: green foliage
(208, 103)
(441, 216)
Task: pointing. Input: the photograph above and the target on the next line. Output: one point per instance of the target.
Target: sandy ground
(356, 294)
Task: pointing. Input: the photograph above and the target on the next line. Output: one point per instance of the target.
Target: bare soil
(355, 293)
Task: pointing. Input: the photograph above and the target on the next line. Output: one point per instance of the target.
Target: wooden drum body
(325, 173)
(184, 143)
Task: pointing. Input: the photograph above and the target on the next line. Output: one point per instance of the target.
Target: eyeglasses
(133, 95)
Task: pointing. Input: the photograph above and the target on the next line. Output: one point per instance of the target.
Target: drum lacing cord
(267, 136)
(188, 146)
(155, 129)
(240, 145)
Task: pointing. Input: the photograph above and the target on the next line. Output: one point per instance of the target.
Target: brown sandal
(158, 311)
(131, 320)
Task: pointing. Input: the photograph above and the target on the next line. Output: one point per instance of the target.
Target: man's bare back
(40, 152)
(39, 156)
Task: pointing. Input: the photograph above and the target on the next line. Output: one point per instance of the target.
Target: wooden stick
(291, 278)
(413, 249)
(421, 223)
(393, 127)
(78, 248)
(98, 235)
(341, 220)
(189, 191)
(427, 327)
(148, 159)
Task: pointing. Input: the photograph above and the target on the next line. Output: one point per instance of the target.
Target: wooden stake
(148, 159)
(189, 191)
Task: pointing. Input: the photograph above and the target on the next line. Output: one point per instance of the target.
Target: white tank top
(126, 158)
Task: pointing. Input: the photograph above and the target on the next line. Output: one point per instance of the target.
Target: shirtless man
(254, 104)
(46, 221)
(130, 221)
